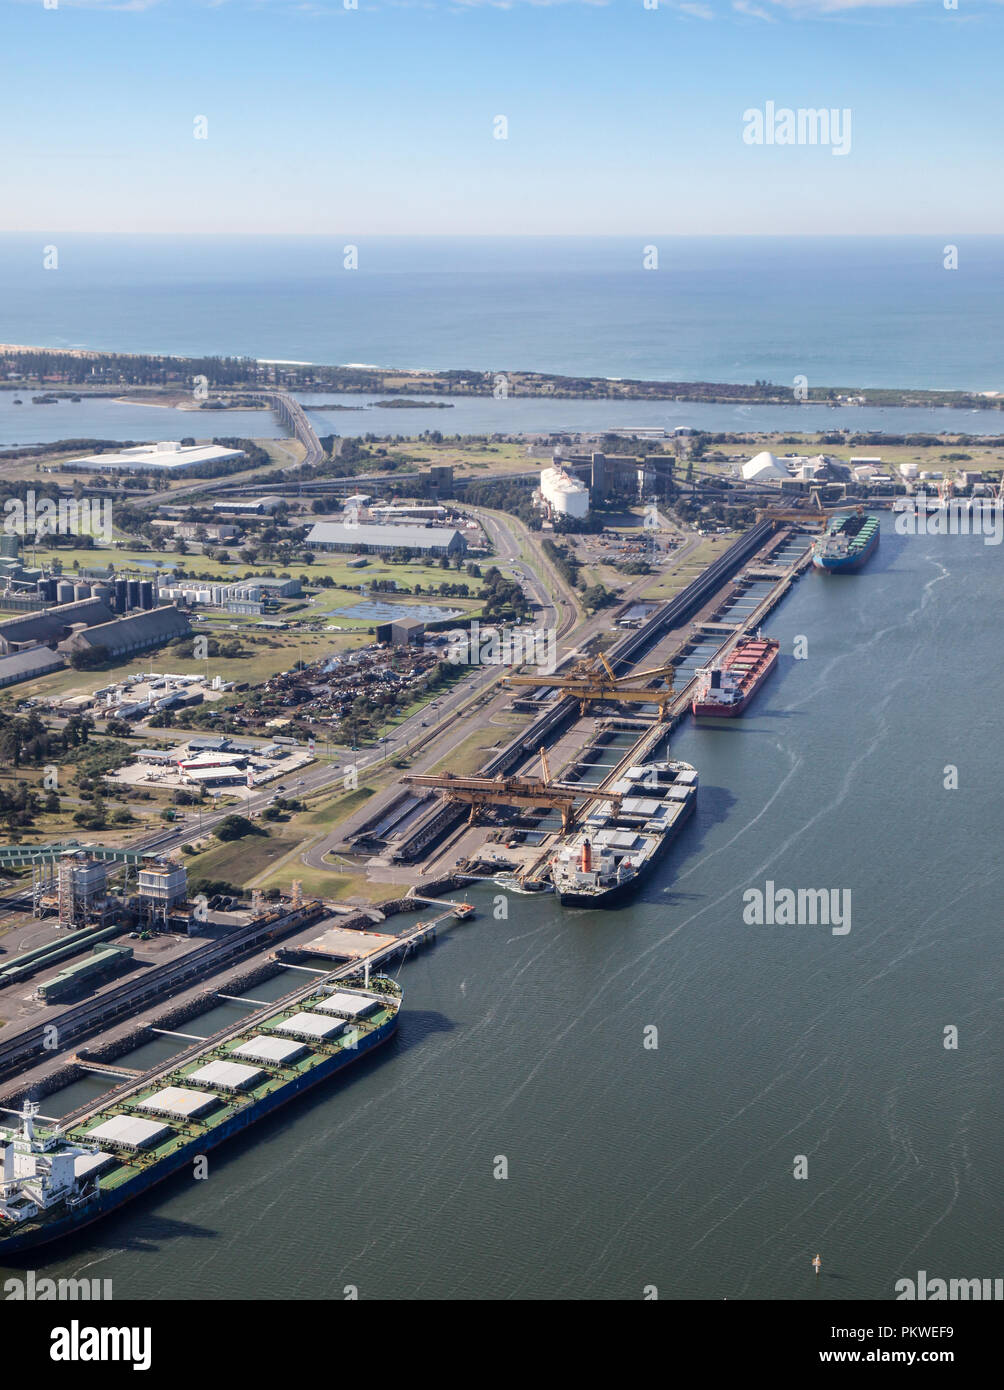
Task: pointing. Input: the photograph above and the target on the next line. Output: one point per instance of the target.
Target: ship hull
(851, 563)
(709, 709)
(107, 1202)
(609, 897)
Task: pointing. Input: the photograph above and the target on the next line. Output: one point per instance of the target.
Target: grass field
(242, 861)
(676, 575)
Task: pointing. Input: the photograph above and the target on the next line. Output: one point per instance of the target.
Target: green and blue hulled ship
(847, 543)
(58, 1180)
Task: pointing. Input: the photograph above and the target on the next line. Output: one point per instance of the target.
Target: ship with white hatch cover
(57, 1178)
(625, 835)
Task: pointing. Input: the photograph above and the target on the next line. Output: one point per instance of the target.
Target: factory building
(166, 457)
(402, 632)
(82, 885)
(126, 636)
(51, 625)
(258, 589)
(162, 889)
(28, 663)
(251, 506)
(428, 540)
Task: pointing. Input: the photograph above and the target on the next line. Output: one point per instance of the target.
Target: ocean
(779, 1048)
(840, 311)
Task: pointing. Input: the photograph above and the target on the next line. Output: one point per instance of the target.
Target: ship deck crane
(586, 683)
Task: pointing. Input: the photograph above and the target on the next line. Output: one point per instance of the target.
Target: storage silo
(47, 590)
(146, 594)
(121, 595)
(133, 593)
(102, 591)
(64, 591)
(81, 591)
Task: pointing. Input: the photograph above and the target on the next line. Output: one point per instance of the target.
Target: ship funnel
(587, 856)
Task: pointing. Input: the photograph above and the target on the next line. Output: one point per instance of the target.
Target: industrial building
(166, 457)
(126, 636)
(82, 886)
(100, 965)
(162, 889)
(28, 663)
(391, 511)
(402, 632)
(251, 506)
(259, 589)
(765, 468)
(51, 625)
(427, 540)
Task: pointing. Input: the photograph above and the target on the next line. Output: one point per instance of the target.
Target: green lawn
(240, 861)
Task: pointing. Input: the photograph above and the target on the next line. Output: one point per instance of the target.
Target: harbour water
(128, 421)
(523, 1038)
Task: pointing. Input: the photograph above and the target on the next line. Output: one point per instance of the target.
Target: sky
(630, 117)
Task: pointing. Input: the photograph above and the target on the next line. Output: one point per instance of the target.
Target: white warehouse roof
(763, 467)
(391, 537)
(169, 457)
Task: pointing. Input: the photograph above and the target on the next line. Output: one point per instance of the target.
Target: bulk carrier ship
(58, 1180)
(847, 543)
(725, 690)
(625, 836)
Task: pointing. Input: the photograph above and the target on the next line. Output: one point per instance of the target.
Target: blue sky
(621, 119)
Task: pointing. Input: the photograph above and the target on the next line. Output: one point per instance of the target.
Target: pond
(375, 611)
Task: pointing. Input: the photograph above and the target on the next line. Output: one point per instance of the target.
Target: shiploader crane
(586, 683)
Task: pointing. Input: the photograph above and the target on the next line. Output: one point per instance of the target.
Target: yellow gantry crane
(587, 682)
(814, 514)
(478, 792)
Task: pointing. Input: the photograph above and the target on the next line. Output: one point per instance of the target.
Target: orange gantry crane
(814, 514)
(586, 683)
(478, 792)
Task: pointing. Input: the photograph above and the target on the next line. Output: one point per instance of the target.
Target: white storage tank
(565, 495)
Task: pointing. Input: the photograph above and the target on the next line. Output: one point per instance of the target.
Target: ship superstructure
(58, 1180)
(623, 837)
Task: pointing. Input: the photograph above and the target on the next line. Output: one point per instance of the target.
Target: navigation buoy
(817, 1264)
